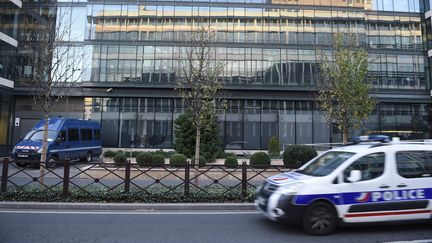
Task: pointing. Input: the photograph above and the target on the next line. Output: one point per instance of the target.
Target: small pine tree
(273, 147)
(185, 138)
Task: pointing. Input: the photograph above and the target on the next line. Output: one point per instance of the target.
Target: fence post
(127, 176)
(244, 179)
(66, 177)
(4, 178)
(186, 180)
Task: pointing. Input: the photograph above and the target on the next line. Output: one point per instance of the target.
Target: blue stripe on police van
(74, 149)
(367, 197)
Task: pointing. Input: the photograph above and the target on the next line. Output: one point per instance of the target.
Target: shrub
(231, 162)
(145, 158)
(178, 160)
(158, 159)
(135, 153)
(259, 160)
(273, 147)
(202, 161)
(298, 154)
(185, 134)
(109, 154)
(120, 159)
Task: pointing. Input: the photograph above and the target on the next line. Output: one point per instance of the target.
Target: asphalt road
(102, 226)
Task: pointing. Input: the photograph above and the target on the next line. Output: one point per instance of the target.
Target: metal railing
(91, 178)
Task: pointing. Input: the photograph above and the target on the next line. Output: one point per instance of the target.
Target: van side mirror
(355, 176)
(58, 141)
(21, 138)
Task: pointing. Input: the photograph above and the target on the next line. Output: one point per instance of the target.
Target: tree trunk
(345, 136)
(197, 145)
(44, 151)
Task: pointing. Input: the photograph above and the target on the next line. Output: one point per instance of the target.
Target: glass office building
(270, 50)
(9, 16)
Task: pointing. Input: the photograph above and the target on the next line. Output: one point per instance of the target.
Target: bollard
(66, 172)
(244, 179)
(127, 176)
(4, 178)
(186, 180)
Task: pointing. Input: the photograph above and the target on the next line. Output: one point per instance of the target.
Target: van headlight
(290, 188)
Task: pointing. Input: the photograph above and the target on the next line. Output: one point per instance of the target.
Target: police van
(366, 182)
(67, 138)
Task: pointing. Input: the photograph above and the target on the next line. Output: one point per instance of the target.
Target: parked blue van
(67, 138)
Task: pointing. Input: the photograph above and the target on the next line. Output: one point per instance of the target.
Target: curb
(127, 206)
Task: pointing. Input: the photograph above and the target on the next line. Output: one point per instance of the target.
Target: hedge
(231, 162)
(298, 154)
(154, 194)
(178, 160)
(260, 159)
(120, 159)
(202, 161)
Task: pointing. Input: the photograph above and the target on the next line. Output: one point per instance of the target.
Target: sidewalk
(127, 206)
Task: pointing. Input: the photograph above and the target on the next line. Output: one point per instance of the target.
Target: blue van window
(73, 134)
(86, 134)
(97, 134)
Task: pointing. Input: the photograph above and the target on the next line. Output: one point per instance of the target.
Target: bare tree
(343, 88)
(198, 81)
(52, 64)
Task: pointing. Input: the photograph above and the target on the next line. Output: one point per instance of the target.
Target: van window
(414, 164)
(86, 134)
(371, 166)
(326, 163)
(73, 134)
(97, 134)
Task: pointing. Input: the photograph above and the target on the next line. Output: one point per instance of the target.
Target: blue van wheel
(52, 162)
(89, 157)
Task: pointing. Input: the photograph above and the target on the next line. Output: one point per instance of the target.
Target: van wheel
(52, 162)
(89, 157)
(20, 164)
(319, 219)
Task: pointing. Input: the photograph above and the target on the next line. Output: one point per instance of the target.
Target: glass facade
(268, 48)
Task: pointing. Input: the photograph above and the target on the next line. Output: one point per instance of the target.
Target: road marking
(126, 212)
(412, 241)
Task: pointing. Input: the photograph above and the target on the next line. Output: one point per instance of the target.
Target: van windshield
(326, 163)
(38, 135)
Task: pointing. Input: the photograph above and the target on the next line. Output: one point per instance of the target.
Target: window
(97, 135)
(86, 134)
(371, 166)
(73, 134)
(414, 164)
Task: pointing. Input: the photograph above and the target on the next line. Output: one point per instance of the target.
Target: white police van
(361, 183)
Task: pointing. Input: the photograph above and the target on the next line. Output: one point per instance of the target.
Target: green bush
(298, 154)
(273, 148)
(231, 162)
(158, 159)
(202, 161)
(185, 134)
(178, 160)
(145, 158)
(120, 159)
(260, 159)
(109, 154)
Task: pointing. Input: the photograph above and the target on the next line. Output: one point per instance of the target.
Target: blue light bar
(371, 138)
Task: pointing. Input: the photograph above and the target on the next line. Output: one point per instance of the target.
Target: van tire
(52, 162)
(20, 164)
(319, 219)
(89, 157)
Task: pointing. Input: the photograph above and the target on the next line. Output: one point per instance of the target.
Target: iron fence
(94, 177)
